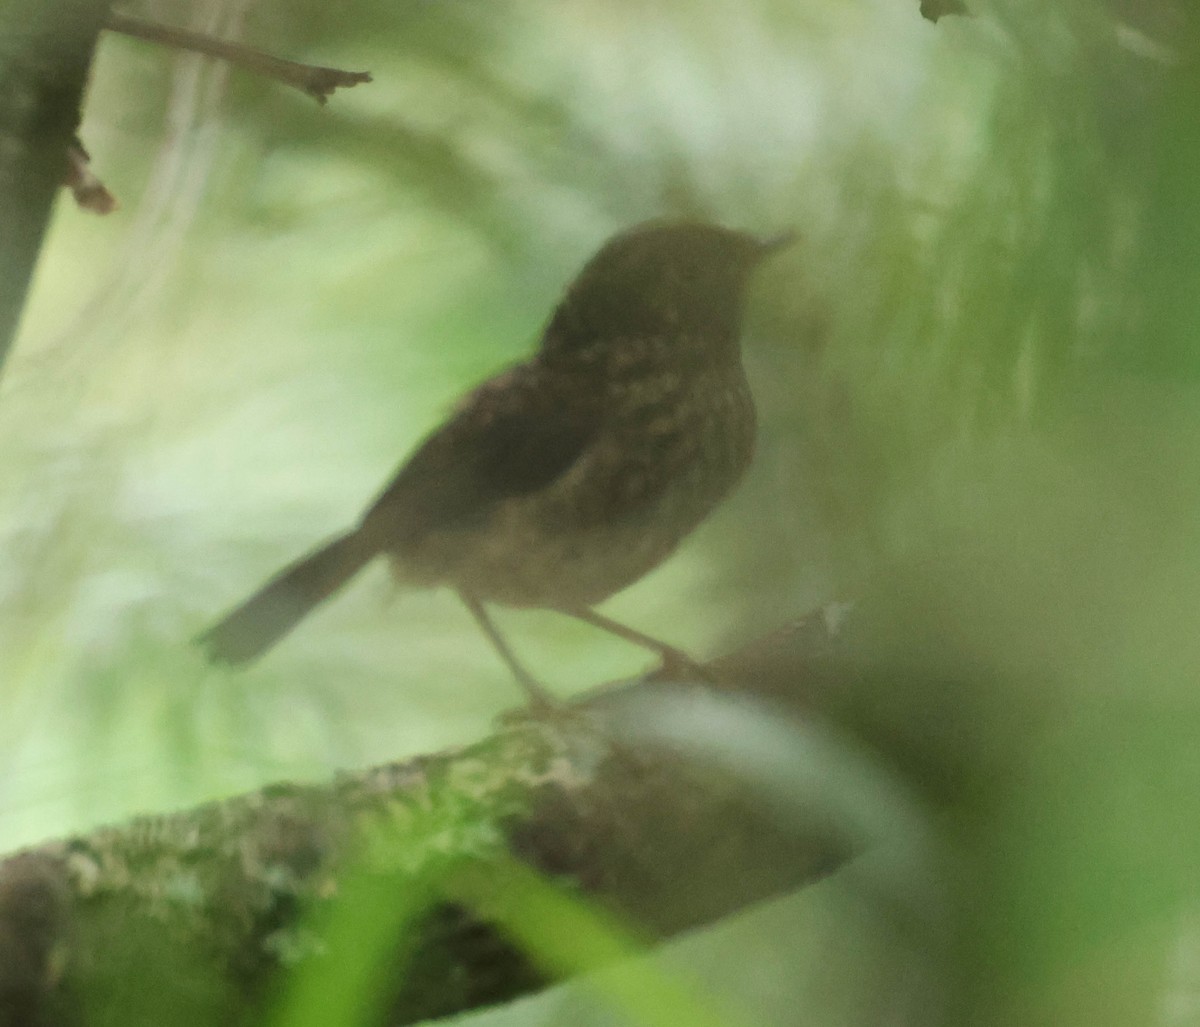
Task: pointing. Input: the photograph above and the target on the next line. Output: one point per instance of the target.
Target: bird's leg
(676, 664)
(539, 698)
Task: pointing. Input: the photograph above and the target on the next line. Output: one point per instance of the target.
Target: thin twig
(313, 79)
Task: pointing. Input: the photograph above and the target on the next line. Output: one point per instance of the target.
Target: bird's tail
(249, 630)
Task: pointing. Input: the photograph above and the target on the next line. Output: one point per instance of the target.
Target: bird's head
(661, 278)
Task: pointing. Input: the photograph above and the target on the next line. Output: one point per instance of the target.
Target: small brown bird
(563, 479)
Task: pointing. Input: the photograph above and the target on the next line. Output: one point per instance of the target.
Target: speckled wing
(513, 436)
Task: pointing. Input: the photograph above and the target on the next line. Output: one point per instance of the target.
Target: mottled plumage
(568, 477)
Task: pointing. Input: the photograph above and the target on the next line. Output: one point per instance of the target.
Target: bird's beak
(774, 243)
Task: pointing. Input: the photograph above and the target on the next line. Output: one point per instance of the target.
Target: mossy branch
(201, 916)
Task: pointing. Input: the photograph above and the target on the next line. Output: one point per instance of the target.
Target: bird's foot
(541, 703)
(676, 665)
(540, 700)
(541, 707)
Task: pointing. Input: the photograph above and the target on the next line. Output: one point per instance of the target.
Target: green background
(977, 376)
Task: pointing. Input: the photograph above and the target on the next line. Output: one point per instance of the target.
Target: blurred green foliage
(977, 379)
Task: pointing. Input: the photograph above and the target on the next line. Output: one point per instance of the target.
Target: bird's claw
(676, 665)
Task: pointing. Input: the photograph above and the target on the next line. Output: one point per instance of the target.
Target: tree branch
(214, 904)
(45, 53)
(318, 82)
